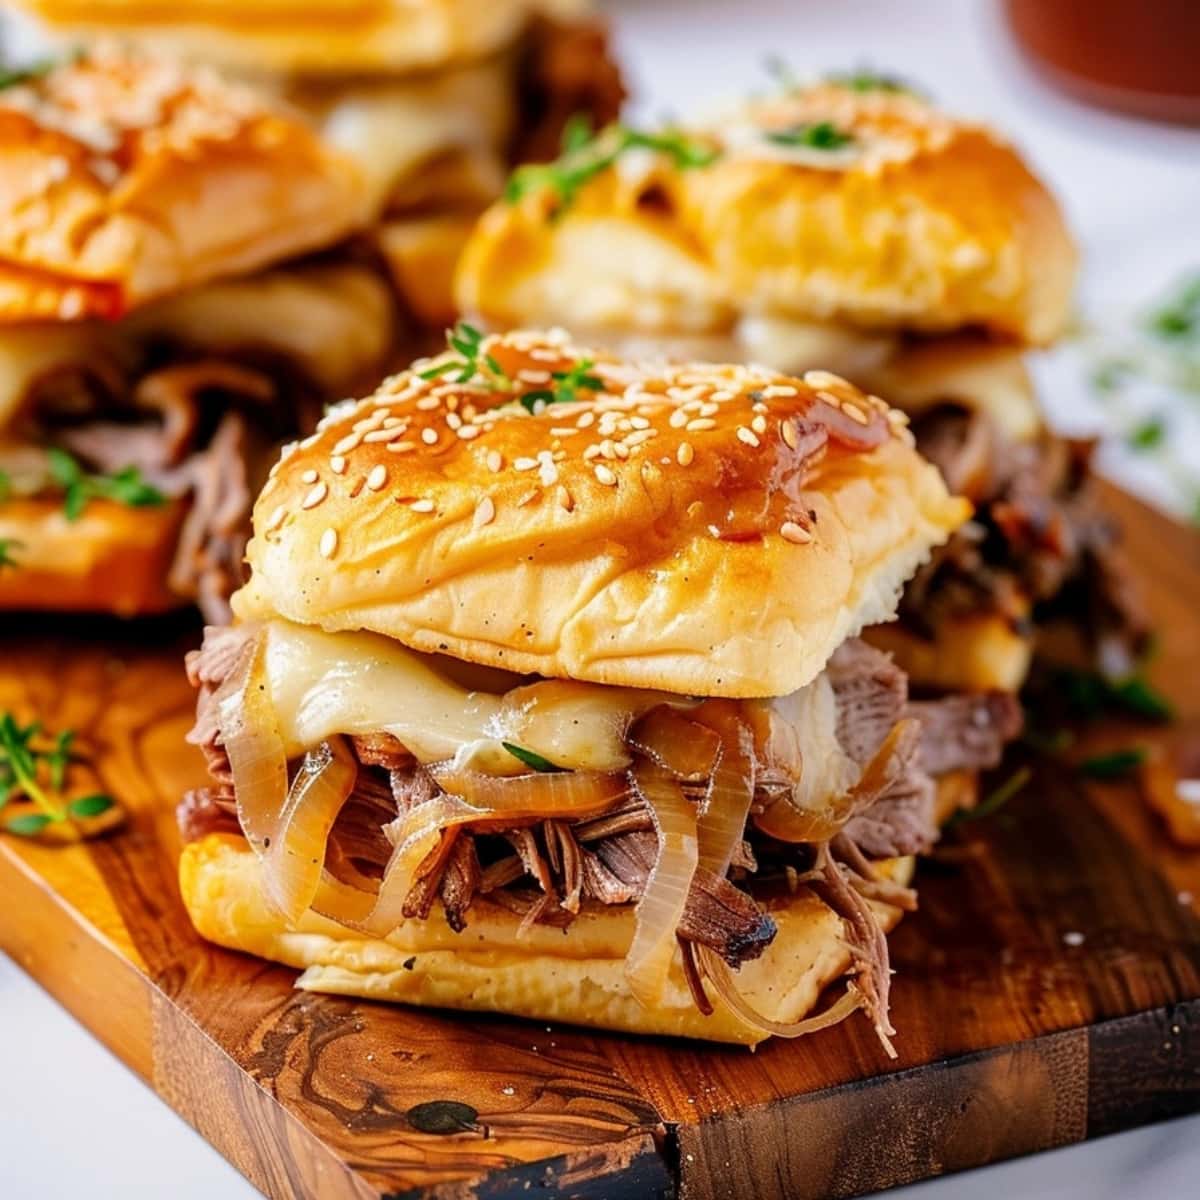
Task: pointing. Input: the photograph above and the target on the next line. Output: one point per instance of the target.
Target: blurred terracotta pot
(1140, 56)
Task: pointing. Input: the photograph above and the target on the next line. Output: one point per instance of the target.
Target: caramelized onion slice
(685, 748)
(349, 903)
(251, 737)
(294, 860)
(722, 823)
(788, 823)
(721, 976)
(661, 907)
(540, 794)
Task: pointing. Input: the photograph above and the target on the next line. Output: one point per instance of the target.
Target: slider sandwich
(435, 99)
(848, 226)
(546, 697)
(169, 314)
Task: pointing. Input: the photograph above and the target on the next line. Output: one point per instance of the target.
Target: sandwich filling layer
(377, 784)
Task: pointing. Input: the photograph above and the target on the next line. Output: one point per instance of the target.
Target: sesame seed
(788, 431)
(495, 461)
(528, 497)
(429, 403)
(401, 447)
(380, 435)
(791, 532)
(377, 478)
(454, 420)
(565, 499)
(422, 506)
(394, 423)
(485, 512)
(337, 464)
(276, 518)
(709, 410)
(604, 475)
(585, 420)
(548, 473)
(639, 422)
(592, 451)
(328, 544)
(700, 424)
(678, 419)
(315, 496)
(349, 442)
(823, 379)
(468, 432)
(639, 436)
(759, 424)
(429, 436)
(621, 450)
(781, 389)
(685, 454)
(309, 476)
(524, 464)
(855, 413)
(748, 436)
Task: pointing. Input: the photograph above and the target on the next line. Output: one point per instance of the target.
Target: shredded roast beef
(204, 430)
(1039, 536)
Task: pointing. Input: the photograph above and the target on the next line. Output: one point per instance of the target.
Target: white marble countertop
(74, 1121)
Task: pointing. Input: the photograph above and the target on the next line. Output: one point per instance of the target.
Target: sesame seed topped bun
(124, 178)
(523, 503)
(865, 207)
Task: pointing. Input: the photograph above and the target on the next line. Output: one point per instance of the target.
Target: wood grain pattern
(1013, 1038)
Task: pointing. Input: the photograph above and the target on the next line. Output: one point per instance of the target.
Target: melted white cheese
(360, 683)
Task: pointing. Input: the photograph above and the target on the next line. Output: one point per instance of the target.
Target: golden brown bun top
(123, 178)
(715, 530)
(309, 36)
(871, 208)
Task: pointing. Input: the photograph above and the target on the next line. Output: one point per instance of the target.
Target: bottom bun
(111, 559)
(574, 976)
(967, 654)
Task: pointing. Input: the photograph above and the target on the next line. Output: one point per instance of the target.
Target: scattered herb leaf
(7, 545)
(1178, 317)
(1115, 765)
(1148, 434)
(34, 766)
(1091, 695)
(567, 385)
(16, 76)
(535, 761)
(577, 132)
(865, 80)
(995, 799)
(583, 159)
(79, 487)
(464, 354)
(821, 135)
(5, 485)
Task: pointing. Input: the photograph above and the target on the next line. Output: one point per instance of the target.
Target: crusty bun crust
(113, 559)
(576, 977)
(123, 179)
(918, 222)
(312, 36)
(708, 555)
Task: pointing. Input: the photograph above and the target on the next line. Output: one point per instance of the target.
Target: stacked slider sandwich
(165, 322)
(546, 696)
(433, 98)
(849, 226)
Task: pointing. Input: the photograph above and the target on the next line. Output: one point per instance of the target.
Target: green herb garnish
(585, 158)
(995, 800)
(1115, 765)
(34, 766)
(16, 76)
(465, 356)
(79, 487)
(6, 556)
(1147, 435)
(821, 135)
(1178, 318)
(1091, 695)
(864, 80)
(534, 761)
(567, 385)
(5, 486)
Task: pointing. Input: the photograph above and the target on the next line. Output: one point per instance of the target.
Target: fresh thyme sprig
(584, 156)
(531, 759)
(33, 765)
(1115, 765)
(819, 135)
(567, 385)
(465, 355)
(6, 553)
(80, 487)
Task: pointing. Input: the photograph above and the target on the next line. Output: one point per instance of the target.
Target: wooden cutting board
(1047, 991)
